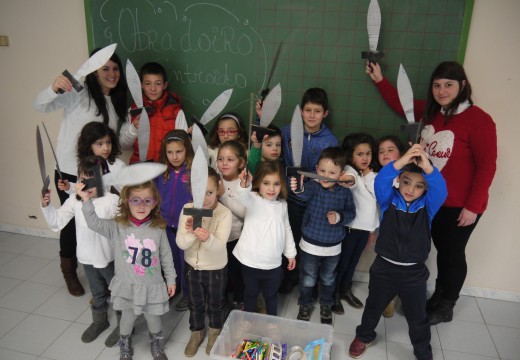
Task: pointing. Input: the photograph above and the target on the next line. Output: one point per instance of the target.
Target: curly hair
(92, 132)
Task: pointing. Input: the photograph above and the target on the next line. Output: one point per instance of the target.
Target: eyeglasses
(135, 201)
(222, 132)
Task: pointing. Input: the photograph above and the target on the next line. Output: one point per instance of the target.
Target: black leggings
(450, 241)
(68, 233)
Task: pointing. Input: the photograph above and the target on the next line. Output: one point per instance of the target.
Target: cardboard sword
(270, 107)
(404, 89)
(199, 182)
(213, 110)
(265, 91)
(53, 153)
(373, 28)
(41, 162)
(296, 144)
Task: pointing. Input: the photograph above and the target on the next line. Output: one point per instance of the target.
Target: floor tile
(44, 248)
(466, 337)
(454, 355)
(69, 345)
(467, 309)
(7, 285)
(27, 296)
(23, 267)
(397, 331)
(500, 313)
(63, 306)
(50, 274)
(5, 257)
(34, 334)
(9, 319)
(507, 341)
(400, 351)
(18, 243)
(15, 355)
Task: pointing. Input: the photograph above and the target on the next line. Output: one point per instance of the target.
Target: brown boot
(68, 268)
(389, 310)
(193, 345)
(212, 337)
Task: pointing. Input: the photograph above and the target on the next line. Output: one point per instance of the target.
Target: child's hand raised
(424, 163)
(63, 184)
(294, 183)
(61, 83)
(171, 290)
(347, 180)
(46, 199)
(79, 191)
(202, 234)
(245, 178)
(255, 141)
(189, 224)
(410, 156)
(258, 108)
(136, 119)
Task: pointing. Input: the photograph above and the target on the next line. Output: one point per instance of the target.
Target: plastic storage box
(241, 324)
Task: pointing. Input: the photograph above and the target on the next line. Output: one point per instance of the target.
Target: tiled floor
(40, 320)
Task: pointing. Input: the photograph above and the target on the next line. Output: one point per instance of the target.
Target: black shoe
(442, 313)
(286, 286)
(304, 313)
(337, 307)
(433, 301)
(325, 314)
(352, 300)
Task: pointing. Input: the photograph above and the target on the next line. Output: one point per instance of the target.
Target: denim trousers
(314, 267)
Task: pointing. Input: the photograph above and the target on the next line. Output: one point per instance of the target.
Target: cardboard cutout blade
(323, 178)
(198, 141)
(296, 143)
(180, 121)
(41, 162)
(134, 174)
(271, 105)
(53, 152)
(261, 132)
(216, 106)
(97, 60)
(413, 131)
(134, 84)
(404, 89)
(271, 72)
(373, 29)
(143, 136)
(199, 182)
(200, 125)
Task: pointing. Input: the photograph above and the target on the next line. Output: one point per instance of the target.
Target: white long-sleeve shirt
(266, 234)
(367, 217)
(77, 112)
(92, 248)
(229, 199)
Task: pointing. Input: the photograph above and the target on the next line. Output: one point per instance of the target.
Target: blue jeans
(311, 267)
(98, 280)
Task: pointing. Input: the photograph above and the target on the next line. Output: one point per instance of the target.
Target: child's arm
(185, 236)
(105, 227)
(255, 154)
(217, 241)
(436, 193)
(127, 135)
(57, 219)
(348, 213)
(289, 250)
(307, 192)
(383, 185)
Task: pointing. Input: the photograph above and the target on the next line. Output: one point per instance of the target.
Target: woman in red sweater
(461, 141)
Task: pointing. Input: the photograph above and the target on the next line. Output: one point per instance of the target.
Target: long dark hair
(179, 136)
(92, 132)
(118, 95)
(453, 71)
(269, 168)
(214, 140)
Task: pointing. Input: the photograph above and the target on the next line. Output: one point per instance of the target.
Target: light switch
(4, 40)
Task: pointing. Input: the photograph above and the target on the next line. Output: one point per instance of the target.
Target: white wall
(45, 36)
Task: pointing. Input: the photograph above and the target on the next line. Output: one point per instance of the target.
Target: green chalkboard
(208, 47)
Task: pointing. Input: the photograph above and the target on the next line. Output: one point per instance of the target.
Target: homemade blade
(134, 84)
(404, 89)
(41, 162)
(92, 64)
(373, 24)
(271, 72)
(324, 178)
(198, 141)
(271, 105)
(180, 121)
(52, 148)
(297, 136)
(133, 174)
(143, 136)
(199, 182)
(216, 106)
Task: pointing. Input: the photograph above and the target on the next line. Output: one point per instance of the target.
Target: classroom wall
(48, 36)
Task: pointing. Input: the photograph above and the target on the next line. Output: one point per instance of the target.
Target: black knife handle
(75, 83)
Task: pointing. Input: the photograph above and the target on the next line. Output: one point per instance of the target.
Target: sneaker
(182, 305)
(326, 314)
(357, 348)
(304, 313)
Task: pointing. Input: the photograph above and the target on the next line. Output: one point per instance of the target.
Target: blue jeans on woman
(312, 267)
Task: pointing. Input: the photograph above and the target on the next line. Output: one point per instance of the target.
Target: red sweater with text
(464, 149)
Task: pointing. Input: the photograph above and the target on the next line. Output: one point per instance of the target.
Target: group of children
(267, 233)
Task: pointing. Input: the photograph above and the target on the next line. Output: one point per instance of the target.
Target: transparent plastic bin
(240, 325)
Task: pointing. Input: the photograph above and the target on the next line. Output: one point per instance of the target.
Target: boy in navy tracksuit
(402, 248)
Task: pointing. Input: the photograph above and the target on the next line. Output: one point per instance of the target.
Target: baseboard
(469, 290)
(46, 233)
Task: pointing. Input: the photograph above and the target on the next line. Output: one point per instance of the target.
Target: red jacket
(464, 150)
(162, 119)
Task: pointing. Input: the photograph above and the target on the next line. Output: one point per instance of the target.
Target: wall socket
(4, 40)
